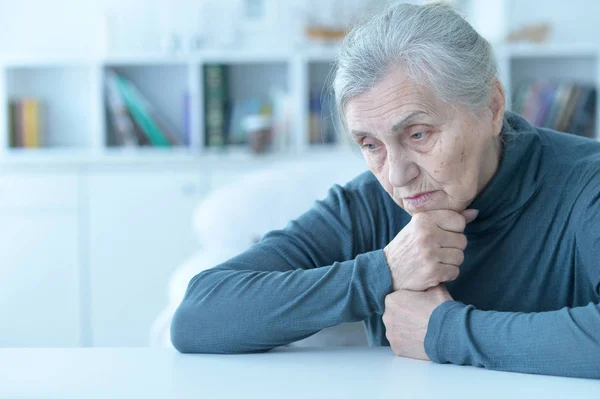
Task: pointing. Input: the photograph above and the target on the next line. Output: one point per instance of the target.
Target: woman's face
(426, 154)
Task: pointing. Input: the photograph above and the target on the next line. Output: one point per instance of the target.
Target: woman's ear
(497, 101)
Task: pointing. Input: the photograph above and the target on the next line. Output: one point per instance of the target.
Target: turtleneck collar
(516, 180)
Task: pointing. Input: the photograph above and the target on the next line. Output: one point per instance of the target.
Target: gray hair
(432, 42)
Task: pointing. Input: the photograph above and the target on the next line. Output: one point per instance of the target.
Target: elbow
(186, 333)
(191, 325)
(180, 332)
(195, 330)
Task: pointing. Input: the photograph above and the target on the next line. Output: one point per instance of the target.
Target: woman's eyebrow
(407, 120)
(396, 128)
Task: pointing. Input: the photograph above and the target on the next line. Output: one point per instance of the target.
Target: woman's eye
(369, 146)
(418, 136)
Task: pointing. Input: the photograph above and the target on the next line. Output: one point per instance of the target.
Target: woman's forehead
(391, 93)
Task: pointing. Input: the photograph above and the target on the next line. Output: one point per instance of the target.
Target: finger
(470, 215)
(453, 240)
(440, 290)
(448, 272)
(448, 220)
(451, 256)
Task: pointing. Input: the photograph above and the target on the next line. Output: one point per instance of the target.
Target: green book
(141, 115)
(215, 102)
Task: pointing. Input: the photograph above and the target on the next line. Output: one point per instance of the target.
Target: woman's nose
(402, 171)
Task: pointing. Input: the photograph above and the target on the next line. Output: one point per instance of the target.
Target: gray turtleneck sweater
(527, 298)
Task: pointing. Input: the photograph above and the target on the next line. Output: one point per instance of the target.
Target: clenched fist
(428, 250)
(406, 319)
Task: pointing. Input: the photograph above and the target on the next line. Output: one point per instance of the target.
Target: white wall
(73, 26)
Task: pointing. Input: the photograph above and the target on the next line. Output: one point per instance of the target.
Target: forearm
(235, 311)
(565, 342)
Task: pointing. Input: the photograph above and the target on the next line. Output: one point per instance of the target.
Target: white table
(283, 373)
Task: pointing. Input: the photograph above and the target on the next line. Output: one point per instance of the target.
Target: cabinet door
(39, 272)
(140, 232)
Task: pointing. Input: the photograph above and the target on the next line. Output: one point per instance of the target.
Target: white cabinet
(39, 272)
(140, 231)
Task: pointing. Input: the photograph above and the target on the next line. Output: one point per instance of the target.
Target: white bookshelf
(75, 121)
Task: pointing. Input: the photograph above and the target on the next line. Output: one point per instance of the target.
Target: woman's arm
(564, 342)
(292, 284)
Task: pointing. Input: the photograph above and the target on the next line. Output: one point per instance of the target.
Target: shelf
(66, 119)
(108, 156)
(310, 53)
(158, 156)
(165, 87)
(146, 60)
(324, 54)
(76, 120)
(240, 90)
(39, 61)
(244, 56)
(580, 69)
(528, 50)
(324, 128)
(226, 56)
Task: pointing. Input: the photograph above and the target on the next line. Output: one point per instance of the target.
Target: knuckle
(387, 302)
(427, 253)
(429, 283)
(455, 273)
(430, 272)
(389, 336)
(463, 241)
(426, 237)
(461, 222)
(434, 279)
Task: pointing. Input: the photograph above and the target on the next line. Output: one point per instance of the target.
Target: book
(30, 123)
(15, 125)
(568, 110)
(566, 106)
(120, 118)
(215, 105)
(165, 128)
(137, 107)
(187, 119)
(583, 119)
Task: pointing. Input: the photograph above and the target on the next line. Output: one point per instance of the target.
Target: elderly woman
(473, 239)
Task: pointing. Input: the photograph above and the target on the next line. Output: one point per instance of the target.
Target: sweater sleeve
(293, 283)
(564, 342)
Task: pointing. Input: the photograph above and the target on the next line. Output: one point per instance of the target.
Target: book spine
(28, 124)
(35, 123)
(14, 123)
(187, 120)
(215, 102)
(20, 118)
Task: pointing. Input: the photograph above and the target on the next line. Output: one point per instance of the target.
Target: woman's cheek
(375, 159)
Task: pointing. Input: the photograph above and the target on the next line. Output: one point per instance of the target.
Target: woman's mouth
(419, 200)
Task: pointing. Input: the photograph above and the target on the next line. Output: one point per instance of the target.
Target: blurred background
(142, 141)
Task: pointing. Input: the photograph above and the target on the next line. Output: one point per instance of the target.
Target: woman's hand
(428, 250)
(406, 318)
